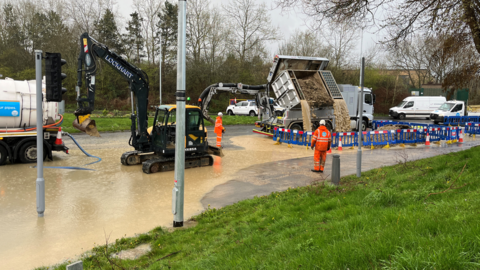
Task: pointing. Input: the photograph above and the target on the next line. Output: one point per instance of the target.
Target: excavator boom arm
(235, 88)
(90, 51)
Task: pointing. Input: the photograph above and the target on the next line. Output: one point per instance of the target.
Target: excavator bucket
(216, 151)
(87, 125)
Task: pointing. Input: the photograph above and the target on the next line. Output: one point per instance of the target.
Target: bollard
(75, 266)
(336, 170)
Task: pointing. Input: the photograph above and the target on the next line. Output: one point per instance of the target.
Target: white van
(416, 107)
(450, 108)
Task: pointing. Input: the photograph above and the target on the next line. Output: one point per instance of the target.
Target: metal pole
(177, 200)
(40, 183)
(360, 137)
(160, 68)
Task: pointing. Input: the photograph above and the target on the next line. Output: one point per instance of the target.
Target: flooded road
(116, 200)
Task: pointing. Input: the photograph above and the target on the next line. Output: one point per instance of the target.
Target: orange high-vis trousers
(219, 139)
(319, 160)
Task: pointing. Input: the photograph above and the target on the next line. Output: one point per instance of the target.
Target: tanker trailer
(18, 118)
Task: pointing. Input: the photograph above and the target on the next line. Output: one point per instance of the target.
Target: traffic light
(54, 76)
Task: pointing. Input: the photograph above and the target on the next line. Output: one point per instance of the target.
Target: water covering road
(83, 206)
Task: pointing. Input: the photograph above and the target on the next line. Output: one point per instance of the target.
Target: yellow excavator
(154, 146)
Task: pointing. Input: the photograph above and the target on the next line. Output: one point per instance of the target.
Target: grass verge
(109, 124)
(414, 215)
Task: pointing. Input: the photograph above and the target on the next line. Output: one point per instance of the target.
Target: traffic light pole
(40, 183)
(177, 199)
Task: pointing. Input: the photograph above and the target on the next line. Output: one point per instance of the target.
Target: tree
(457, 19)
(304, 44)
(148, 10)
(251, 27)
(133, 40)
(167, 33)
(412, 57)
(107, 31)
(403, 17)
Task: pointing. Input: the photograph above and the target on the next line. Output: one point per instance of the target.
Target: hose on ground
(85, 152)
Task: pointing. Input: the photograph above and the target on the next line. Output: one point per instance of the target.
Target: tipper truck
(18, 123)
(298, 82)
(301, 86)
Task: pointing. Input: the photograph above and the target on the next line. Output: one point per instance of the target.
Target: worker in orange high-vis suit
(219, 129)
(321, 141)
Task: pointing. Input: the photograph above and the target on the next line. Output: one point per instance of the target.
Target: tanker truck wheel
(3, 155)
(28, 152)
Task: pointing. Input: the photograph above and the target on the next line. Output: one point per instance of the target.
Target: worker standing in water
(219, 129)
(321, 141)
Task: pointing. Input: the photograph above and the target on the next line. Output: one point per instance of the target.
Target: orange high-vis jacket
(219, 126)
(321, 139)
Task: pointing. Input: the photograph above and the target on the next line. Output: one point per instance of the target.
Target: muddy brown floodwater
(84, 206)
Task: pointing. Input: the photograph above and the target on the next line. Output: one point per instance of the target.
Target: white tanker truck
(18, 118)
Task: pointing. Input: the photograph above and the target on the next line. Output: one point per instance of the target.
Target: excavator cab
(164, 126)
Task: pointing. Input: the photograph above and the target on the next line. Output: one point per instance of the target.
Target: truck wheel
(364, 125)
(435, 122)
(329, 126)
(296, 127)
(230, 112)
(252, 113)
(3, 155)
(28, 152)
(401, 116)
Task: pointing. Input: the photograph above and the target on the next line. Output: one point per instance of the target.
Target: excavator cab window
(172, 117)
(160, 119)
(194, 120)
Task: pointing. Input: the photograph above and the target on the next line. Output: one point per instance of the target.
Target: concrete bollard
(75, 266)
(336, 170)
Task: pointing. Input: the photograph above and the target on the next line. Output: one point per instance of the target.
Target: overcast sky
(287, 22)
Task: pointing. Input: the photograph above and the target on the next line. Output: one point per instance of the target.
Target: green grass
(381, 220)
(109, 124)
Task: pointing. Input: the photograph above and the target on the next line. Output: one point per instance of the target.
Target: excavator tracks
(168, 164)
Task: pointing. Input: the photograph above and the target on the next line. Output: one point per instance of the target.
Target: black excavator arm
(235, 88)
(90, 51)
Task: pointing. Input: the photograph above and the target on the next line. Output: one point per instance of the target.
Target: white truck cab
(416, 107)
(450, 108)
(351, 94)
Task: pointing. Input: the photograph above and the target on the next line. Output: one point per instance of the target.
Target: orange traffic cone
(340, 148)
(460, 140)
(329, 151)
(59, 141)
(427, 142)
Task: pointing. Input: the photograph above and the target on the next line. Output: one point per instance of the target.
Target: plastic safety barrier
(378, 137)
(407, 136)
(460, 120)
(282, 135)
(348, 139)
(381, 137)
(435, 134)
(472, 128)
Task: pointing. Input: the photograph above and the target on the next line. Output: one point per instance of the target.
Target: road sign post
(360, 119)
(40, 183)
